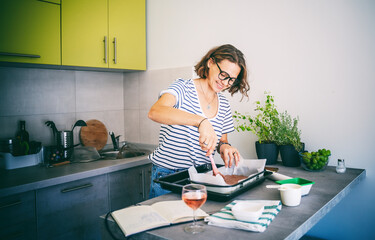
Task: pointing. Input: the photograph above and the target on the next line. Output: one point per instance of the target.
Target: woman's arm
(228, 153)
(164, 112)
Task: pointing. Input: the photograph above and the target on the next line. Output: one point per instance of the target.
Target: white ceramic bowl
(306, 184)
(290, 194)
(247, 211)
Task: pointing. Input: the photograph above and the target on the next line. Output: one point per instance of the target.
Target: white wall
(316, 57)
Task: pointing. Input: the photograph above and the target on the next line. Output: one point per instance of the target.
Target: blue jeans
(158, 172)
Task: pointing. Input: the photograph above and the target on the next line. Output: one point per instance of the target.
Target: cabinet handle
(46, 1)
(105, 49)
(19, 55)
(76, 188)
(115, 47)
(143, 185)
(11, 204)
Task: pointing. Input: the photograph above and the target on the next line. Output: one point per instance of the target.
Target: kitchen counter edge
(37, 177)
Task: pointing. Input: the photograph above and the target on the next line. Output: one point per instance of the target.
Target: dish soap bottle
(22, 140)
(340, 168)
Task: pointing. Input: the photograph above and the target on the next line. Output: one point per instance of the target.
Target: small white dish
(247, 211)
(290, 194)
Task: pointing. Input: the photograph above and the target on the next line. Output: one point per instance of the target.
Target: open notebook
(137, 219)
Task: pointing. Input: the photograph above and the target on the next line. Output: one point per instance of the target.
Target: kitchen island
(291, 222)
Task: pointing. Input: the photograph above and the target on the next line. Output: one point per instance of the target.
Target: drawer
(72, 210)
(17, 216)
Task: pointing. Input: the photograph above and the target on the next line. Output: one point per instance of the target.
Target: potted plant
(288, 138)
(263, 125)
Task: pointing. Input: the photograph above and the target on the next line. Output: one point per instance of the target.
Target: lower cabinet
(147, 181)
(130, 186)
(72, 210)
(17, 216)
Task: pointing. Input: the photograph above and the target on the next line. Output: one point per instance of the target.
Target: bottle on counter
(10, 146)
(21, 144)
(340, 168)
(22, 134)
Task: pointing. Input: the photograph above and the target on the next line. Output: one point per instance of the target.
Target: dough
(233, 179)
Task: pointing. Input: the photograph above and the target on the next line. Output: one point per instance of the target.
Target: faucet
(115, 140)
(119, 154)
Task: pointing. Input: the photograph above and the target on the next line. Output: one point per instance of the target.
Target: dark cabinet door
(17, 216)
(147, 180)
(72, 210)
(128, 187)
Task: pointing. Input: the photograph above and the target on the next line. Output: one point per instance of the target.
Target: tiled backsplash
(120, 100)
(141, 90)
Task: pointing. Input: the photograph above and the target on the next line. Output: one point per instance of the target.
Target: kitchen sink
(125, 153)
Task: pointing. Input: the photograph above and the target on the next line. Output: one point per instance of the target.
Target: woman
(196, 117)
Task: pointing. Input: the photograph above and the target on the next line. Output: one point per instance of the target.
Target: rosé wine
(194, 199)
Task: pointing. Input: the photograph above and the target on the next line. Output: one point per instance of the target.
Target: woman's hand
(207, 137)
(164, 112)
(229, 155)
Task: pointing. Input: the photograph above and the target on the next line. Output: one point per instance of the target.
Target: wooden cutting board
(94, 134)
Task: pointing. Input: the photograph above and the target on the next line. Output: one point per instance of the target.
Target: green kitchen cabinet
(84, 33)
(30, 31)
(104, 34)
(127, 34)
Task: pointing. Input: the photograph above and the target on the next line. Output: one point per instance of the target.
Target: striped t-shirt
(179, 144)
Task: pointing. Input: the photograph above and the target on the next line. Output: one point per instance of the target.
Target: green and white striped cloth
(225, 218)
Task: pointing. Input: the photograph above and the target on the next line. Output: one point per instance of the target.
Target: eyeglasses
(223, 76)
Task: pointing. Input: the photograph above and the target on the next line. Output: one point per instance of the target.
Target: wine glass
(194, 195)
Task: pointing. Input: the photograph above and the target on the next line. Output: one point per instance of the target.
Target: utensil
(64, 138)
(60, 163)
(273, 186)
(214, 168)
(272, 169)
(79, 123)
(277, 176)
(64, 141)
(194, 195)
(94, 134)
(53, 126)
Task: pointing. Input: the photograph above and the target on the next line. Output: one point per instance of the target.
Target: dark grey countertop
(36, 177)
(291, 223)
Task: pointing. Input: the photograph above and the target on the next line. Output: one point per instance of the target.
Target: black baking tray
(174, 182)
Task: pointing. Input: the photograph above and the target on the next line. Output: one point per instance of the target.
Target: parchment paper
(246, 167)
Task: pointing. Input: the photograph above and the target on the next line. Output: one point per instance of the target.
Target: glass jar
(340, 168)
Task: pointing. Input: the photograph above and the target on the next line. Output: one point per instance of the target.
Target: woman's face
(227, 69)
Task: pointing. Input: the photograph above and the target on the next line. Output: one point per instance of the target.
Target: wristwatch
(219, 146)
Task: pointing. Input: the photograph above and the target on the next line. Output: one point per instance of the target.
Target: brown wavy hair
(232, 54)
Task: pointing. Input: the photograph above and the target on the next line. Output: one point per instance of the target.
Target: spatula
(214, 168)
(79, 123)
